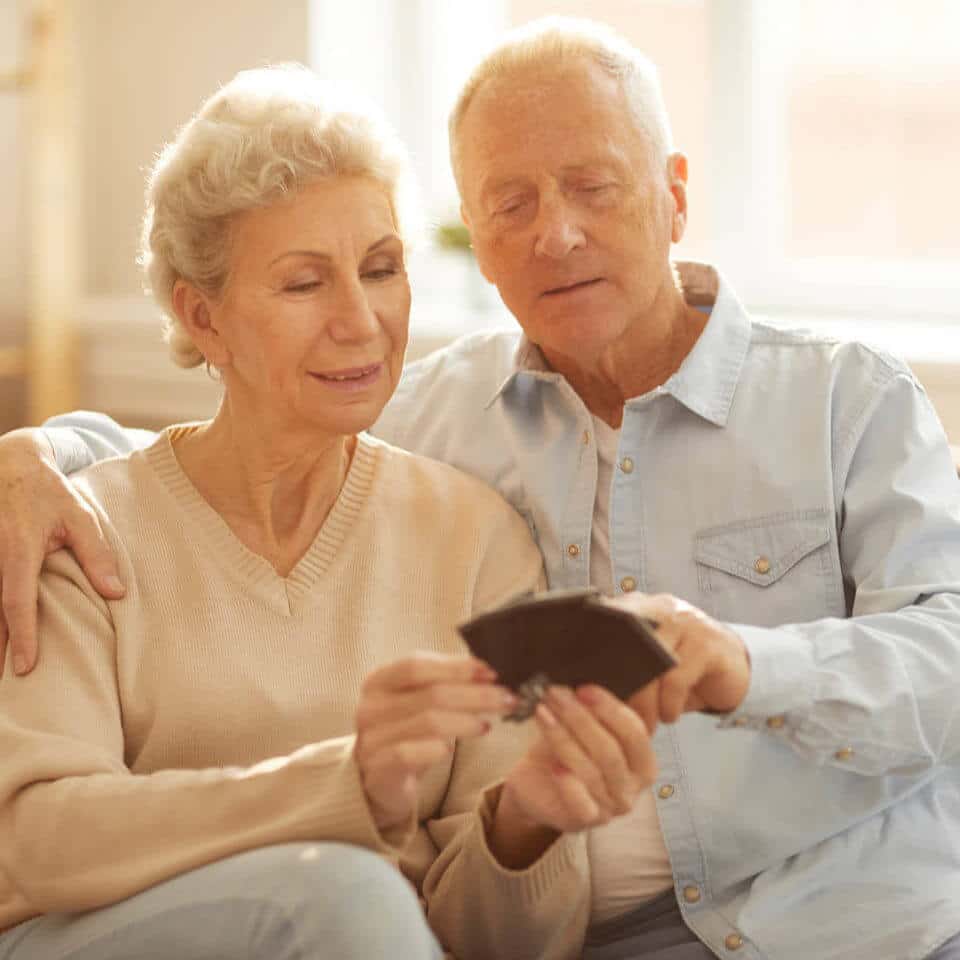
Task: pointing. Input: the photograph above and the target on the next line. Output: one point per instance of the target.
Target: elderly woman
(209, 766)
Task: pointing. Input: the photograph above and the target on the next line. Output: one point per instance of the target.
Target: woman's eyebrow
(318, 255)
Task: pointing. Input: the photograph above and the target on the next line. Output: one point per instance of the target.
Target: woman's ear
(194, 310)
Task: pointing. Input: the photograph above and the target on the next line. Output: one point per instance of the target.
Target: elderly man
(783, 504)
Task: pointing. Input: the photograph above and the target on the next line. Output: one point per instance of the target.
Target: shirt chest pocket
(769, 570)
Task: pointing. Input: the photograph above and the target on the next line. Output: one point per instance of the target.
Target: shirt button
(627, 584)
(586, 438)
(691, 894)
(573, 550)
(665, 792)
(626, 465)
(762, 565)
(733, 941)
(740, 722)
(844, 753)
(775, 723)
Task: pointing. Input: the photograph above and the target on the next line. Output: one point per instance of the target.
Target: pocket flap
(763, 549)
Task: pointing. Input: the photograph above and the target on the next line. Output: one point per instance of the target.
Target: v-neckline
(214, 534)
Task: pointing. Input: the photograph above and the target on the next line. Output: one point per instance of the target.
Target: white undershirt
(628, 858)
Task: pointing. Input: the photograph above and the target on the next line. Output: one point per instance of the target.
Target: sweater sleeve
(477, 907)
(79, 830)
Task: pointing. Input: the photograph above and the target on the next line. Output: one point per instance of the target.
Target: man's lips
(572, 287)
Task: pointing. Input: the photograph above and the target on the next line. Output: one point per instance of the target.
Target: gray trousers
(656, 931)
(289, 902)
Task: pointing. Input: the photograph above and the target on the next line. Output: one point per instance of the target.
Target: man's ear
(677, 181)
(194, 311)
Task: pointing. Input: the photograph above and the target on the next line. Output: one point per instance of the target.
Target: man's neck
(650, 352)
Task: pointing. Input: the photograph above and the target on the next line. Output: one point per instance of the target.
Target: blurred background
(823, 137)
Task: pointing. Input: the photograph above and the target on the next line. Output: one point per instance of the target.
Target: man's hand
(410, 715)
(713, 666)
(40, 513)
(589, 763)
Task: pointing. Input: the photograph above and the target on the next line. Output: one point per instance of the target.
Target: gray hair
(554, 40)
(261, 137)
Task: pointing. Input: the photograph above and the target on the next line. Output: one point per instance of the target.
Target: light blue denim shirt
(800, 489)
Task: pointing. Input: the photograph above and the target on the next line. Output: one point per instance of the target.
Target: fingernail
(113, 583)
(482, 672)
(508, 699)
(589, 695)
(19, 664)
(543, 712)
(561, 696)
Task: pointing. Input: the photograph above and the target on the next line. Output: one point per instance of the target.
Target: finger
(85, 537)
(646, 702)
(424, 668)
(394, 763)
(627, 727)
(676, 684)
(442, 725)
(580, 807)
(3, 634)
(566, 751)
(597, 743)
(19, 601)
(480, 698)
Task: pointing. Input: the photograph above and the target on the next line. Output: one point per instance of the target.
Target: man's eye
(304, 286)
(595, 187)
(511, 206)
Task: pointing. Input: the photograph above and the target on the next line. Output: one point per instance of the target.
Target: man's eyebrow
(317, 255)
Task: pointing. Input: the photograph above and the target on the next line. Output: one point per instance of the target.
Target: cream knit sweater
(210, 710)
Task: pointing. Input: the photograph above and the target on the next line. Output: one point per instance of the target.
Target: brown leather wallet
(566, 637)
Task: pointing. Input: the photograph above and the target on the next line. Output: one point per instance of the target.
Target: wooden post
(53, 220)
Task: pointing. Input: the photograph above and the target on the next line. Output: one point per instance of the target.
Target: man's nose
(558, 231)
(353, 318)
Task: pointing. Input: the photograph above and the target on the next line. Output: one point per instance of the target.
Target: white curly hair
(263, 136)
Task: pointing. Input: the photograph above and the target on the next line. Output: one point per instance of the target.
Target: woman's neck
(274, 488)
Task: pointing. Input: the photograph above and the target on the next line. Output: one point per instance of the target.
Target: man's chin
(580, 341)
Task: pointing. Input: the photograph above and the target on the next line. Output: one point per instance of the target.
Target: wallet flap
(571, 638)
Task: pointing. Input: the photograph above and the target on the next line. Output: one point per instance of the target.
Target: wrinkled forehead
(544, 116)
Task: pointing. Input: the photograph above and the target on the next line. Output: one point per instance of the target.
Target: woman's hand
(40, 513)
(411, 713)
(590, 761)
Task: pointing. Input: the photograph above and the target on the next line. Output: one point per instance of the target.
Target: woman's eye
(304, 286)
(380, 273)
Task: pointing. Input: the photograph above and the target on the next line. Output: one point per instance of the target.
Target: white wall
(145, 68)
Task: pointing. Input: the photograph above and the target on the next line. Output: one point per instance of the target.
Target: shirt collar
(708, 376)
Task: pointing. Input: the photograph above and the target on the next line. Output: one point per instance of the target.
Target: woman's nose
(353, 319)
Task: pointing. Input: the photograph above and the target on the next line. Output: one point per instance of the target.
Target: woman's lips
(351, 379)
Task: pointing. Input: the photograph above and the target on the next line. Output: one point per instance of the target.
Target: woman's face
(313, 320)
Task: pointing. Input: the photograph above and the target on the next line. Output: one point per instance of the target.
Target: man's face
(571, 214)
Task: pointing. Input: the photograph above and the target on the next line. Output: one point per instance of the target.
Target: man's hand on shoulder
(40, 512)
(713, 666)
